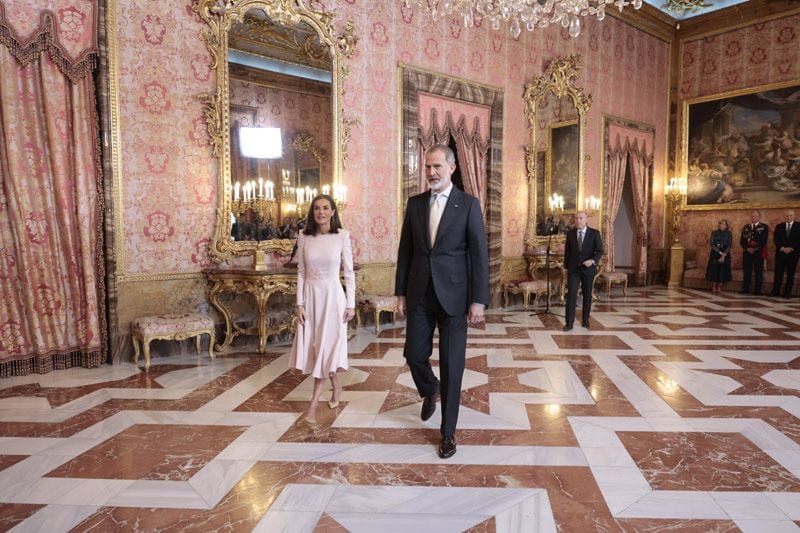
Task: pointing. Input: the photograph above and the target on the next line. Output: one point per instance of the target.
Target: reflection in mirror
(280, 65)
(280, 82)
(556, 112)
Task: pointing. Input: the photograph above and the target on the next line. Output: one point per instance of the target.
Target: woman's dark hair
(311, 227)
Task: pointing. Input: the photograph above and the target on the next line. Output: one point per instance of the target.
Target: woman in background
(719, 260)
(323, 308)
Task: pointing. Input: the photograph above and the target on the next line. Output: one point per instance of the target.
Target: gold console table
(262, 285)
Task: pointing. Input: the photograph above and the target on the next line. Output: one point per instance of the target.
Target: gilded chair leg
(146, 346)
(135, 348)
(211, 344)
(377, 322)
(197, 343)
(625, 288)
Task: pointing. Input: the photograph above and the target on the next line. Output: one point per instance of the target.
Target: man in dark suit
(754, 241)
(787, 249)
(582, 251)
(442, 280)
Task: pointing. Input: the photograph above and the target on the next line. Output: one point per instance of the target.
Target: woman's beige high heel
(333, 404)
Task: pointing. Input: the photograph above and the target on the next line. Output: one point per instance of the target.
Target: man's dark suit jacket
(458, 263)
(592, 248)
(792, 240)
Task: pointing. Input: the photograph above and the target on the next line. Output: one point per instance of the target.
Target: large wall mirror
(556, 111)
(275, 121)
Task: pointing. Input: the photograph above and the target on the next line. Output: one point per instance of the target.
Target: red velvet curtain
(51, 249)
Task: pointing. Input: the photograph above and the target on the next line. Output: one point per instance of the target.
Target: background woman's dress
(720, 242)
(320, 345)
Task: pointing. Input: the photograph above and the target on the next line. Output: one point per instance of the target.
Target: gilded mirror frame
(219, 16)
(559, 80)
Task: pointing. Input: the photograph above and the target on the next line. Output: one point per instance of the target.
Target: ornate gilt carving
(220, 16)
(558, 79)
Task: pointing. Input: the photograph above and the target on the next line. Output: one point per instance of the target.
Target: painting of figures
(743, 149)
(563, 163)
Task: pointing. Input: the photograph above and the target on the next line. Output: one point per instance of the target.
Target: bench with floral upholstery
(170, 327)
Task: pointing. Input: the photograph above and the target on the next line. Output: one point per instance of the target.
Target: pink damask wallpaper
(755, 55)
(169, 174)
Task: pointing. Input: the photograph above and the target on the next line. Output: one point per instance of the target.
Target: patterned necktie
(788, 227)
(580, 239)
(435, 216)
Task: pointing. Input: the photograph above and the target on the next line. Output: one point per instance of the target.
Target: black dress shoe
(567, 327)
(429, 405)
(774, 294)
(585, 324)
(448, 447)
(744, 292)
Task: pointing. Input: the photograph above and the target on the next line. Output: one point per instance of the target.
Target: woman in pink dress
(323, 308)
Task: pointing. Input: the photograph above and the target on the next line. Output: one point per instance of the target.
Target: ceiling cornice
(735, 17)
(649, 19)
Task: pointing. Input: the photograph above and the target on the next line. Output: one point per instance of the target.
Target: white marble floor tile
(55, 518)
(159, 494)
(299, 497)
(217, 477)
(674, 504)
(288, 521)
(788, 502)
(748, 506)
(767, 526)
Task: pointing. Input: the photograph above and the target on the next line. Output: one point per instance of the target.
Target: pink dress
(320, 345)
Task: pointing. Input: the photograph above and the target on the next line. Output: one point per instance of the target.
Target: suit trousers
(784, 263)
(420, 325)
(752, 264)
(585, 277)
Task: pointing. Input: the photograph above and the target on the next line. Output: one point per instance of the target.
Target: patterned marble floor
(678, 410)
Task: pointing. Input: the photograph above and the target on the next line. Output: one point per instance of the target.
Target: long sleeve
(347, 268)
(404, 255)
(597, 255)
(301, 268)
(478, 255)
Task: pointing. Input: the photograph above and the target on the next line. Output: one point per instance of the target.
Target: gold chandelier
(529, 14)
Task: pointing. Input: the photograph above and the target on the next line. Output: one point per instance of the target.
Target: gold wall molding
(648, 19)
(734, 18)
(558, 79)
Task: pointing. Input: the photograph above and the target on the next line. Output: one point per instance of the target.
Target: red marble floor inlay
(9, 460)
(154, 452)
(588, 341)
(12, 514)
(706, 462)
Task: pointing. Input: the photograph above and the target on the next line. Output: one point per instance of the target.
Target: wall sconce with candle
(675, 194)
(591, 205)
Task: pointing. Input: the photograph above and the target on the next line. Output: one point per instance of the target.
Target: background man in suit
(442, 280)
(582, 251)
(787, 249)
(754, 241)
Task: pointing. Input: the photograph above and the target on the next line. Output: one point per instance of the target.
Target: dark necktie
(580, 239)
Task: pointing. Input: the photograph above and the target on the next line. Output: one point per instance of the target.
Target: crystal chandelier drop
(529, 14)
